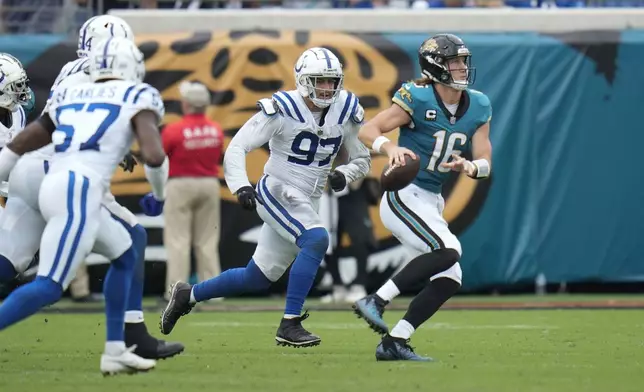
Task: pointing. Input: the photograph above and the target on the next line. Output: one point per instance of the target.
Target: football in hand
(396, 178)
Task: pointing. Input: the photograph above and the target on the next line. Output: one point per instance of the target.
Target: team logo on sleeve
(405, 94)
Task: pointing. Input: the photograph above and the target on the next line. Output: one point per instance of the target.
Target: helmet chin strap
(458, 86)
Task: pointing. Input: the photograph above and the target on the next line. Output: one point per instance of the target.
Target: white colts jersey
(73, 73)
(93, 124)
(302, 149)
(18, 120)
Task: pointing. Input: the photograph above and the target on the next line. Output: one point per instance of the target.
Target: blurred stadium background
(562, 212)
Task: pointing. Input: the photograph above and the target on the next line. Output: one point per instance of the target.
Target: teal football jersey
(433, 133)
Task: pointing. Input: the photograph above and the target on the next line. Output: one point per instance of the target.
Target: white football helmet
(314, 64)
(99, 28)
(116, 58)
(14, 83)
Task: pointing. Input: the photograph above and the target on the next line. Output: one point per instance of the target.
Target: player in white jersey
(14, 96)
(305, 129)
(15, 93)
(22, 225)
(92, 127)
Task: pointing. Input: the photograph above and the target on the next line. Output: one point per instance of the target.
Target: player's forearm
(36, 135)
(152, 156)
(482, 151)
(8, 160)
(157, 176)
(235, 168)
(372, 136)
(368, 133)
(358, 157)
(356, 169)
(481, 165)
(484, 157)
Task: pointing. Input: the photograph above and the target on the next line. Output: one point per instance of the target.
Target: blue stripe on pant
(270, 204)
(68, 226)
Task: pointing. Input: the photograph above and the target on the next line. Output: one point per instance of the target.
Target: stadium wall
(564, 199)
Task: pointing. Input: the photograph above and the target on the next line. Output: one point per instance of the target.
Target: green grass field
(536, 350)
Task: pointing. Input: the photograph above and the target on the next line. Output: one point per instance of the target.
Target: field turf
(234, 350)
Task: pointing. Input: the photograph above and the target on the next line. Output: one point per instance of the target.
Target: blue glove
(150, 205)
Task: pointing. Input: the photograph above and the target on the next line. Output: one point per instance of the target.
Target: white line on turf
(244, 324)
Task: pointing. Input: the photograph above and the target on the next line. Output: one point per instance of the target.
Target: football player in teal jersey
(439, 118)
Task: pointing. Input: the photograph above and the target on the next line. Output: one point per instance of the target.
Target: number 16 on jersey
(443, 149)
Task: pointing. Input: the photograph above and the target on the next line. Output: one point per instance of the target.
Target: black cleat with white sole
(291, 333)
(178, 305)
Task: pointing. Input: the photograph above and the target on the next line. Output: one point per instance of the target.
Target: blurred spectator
(79, 287)
(300, 4)
(488, 3)
(188, 4)
(353, 4)
(192, 208)
(262, 4)
(30, 16)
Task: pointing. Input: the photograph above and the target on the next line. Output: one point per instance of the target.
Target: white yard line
(236, 324)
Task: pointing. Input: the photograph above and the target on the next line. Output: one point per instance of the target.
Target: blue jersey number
(91, 143)
(443, 149)
(307, 152)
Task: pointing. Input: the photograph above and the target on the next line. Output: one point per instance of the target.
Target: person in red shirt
(194, 146)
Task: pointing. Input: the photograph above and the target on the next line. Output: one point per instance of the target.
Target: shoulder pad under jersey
(268, 106)
(358, 114)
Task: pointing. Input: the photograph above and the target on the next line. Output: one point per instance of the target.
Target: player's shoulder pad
(268, 106)
(482, 103)
(479, 98)
(65, 70)
(352, 102)
(142, 96)
(347, 107)
(58, 94)
(140, 93)
(74, 66)
(410, 93)
(408, 96)
(358, 115)
(287, 105)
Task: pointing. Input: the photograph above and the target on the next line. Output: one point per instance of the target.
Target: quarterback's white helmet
(315, 64)
(14, 84)
(99, 28)
(116, 58)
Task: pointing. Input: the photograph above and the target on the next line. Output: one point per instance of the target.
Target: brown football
(398, 177)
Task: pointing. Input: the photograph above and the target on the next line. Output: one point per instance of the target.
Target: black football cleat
(397, 349)
(147, 346)
(371, 308)
(178, 305)
(292, 333)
